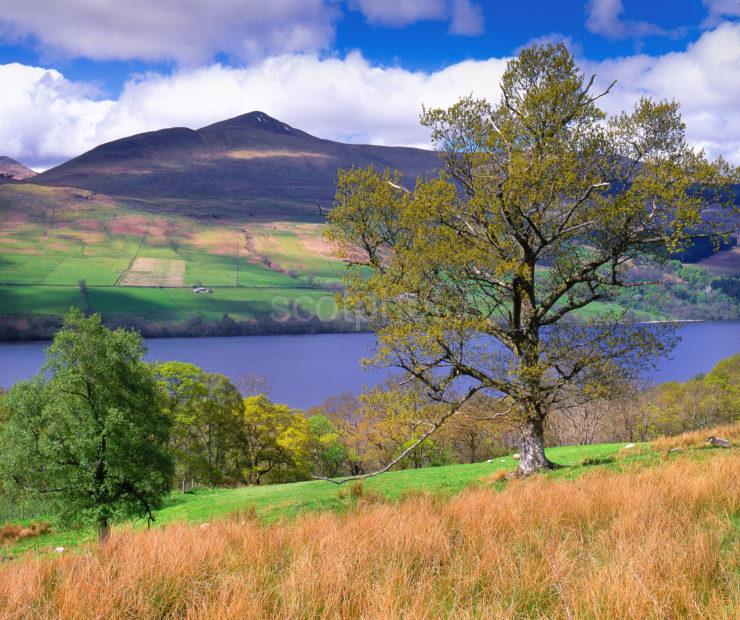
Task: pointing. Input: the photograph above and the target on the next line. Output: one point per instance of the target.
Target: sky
(77, 73)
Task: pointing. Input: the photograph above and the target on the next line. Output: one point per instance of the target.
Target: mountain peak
(11, 169)
(254, 163)
(253, 120)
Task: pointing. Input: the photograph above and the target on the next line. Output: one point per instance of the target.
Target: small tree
(273, 440)
(326, 448)
(89, 431)
(542, 208)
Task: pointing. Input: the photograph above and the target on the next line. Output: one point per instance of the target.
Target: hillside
(11, 169)
(253, 165)
(279, 501)
(639, 533)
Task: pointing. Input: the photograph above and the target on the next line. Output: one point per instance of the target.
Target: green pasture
(287, 501)
(62, 241)
(291, 255)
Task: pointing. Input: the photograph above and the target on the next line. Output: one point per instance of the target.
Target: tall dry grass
(698, 439)
(655, 543)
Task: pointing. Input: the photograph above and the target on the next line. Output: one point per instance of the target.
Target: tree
(542, 207)
(702, 402)
(205, 411)
(472, 434)
(274, 440)
(327, 450)
(89, 431)
(353, 426)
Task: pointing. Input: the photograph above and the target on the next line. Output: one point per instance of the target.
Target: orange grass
(653, 543)
(698, 439)
(11, 532)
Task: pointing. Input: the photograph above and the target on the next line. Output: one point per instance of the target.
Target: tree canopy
(473, 277)
(89, 431)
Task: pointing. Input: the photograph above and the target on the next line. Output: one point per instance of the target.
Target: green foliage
(427, 453)
(686, 292)
(89, 431)
(273, 442)
(705, 401)
(328, 452)
(206, 414)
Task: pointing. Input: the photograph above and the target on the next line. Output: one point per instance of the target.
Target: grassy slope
(274, 502)
(55, 237)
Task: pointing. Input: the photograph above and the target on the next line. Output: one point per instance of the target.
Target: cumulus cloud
(467, 18)
(187, 31)
(192, 32)
(45, 118)
(705, 79)
(400, 13)
(604, 17)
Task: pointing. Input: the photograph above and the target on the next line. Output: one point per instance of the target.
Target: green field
(144, 265)
(139, 266)
(286, 501)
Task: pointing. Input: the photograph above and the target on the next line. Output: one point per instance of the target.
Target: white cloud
(719, 9)
(192, 32)
(705, 79)
(467, 18)
(400, 13)
(187, 31)
(604, 17)
(45, 118)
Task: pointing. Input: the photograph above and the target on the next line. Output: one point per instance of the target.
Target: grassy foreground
(646, 542)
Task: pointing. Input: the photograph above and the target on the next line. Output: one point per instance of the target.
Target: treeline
(685, 292)
(22, 327)
(637, 412)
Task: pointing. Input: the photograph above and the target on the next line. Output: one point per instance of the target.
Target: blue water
(303, 370)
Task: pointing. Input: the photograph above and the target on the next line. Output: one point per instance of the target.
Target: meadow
(273, 503)
(618, 533)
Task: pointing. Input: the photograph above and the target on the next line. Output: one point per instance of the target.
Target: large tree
(543, 205)
(89, 432)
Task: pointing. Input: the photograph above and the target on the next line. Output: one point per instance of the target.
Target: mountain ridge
(256, 162)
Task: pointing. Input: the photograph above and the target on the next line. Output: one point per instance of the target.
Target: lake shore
(40, 328)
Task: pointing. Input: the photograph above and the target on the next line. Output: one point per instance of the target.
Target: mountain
(11, 169)
(254, 164)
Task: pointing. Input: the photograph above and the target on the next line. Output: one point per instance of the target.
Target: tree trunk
(532, 448)
(103, 530)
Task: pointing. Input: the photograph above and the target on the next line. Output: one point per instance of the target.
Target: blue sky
(77, 73)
